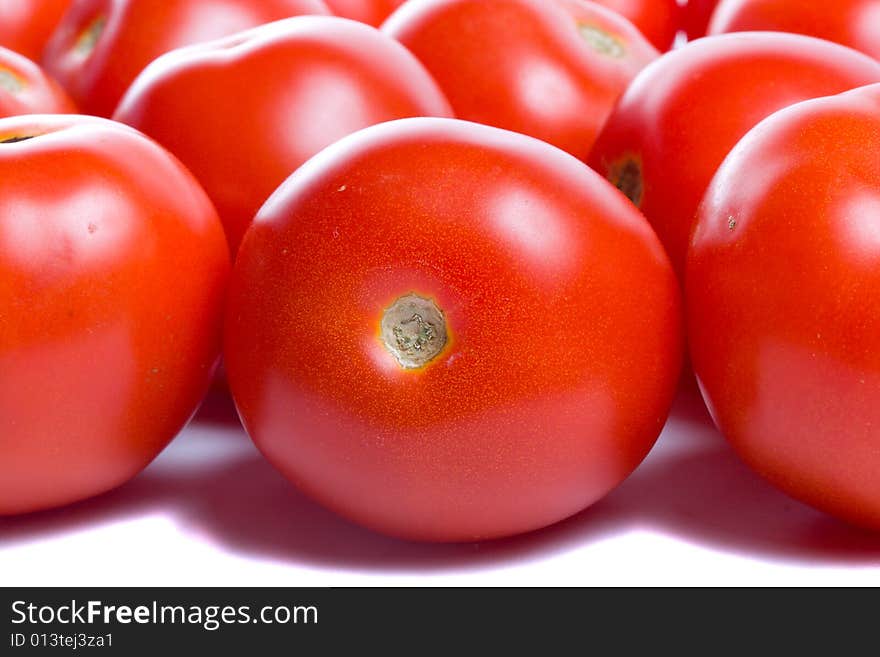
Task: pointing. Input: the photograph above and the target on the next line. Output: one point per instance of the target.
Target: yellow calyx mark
(601, 41)
(11, 81)
(89, 37)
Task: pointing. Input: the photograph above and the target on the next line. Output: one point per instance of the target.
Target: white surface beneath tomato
(210, 511)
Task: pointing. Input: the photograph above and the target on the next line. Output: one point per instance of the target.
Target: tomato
(697, 14)
(445, 331)
(682, 115)
(113, 269)
(321, 78)
(26, 25)
(26, 89)
(102, 45)
(782, 281)
(854, 23)
(372, 12)
(552, 70)
(658, 20)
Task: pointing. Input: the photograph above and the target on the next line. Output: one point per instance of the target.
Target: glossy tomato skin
(784, 316)
(683, 114)
(371, 12)
(321, 78)
(102, 45)
(26, 25)
(561, 312)
(113, 269)
(551, 70)
(26, 89)
(853, 23)
(697, 14)
(658, 20)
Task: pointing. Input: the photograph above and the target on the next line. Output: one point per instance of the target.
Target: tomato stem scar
(88, 38)
(601, 41)
(626, 175)
(414, 330)
(10, 81)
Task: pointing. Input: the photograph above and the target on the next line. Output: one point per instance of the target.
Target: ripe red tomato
(658, 20)
(854, 23)
(697, 14)
(321, 78)
(112, 276)
(372, 12)
(552, 70)
(26, 89)
(445, 331)
(102, 45)
(682, 115)
(25, 25)
(784, 317)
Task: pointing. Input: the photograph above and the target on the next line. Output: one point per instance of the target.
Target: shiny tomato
(445, 331)
(697, 14)
(26, 89)
(112, 277)
(26, 25)
(682, 115)
(372, 12)
(552, 70)
(782, 282)
(102, 45)
(658, 20)
(321, 78)
(854, 23)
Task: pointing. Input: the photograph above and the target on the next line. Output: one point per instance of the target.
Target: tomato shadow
(692, 487)
(218, 409)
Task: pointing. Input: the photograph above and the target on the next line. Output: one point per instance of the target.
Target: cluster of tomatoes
(451, 251)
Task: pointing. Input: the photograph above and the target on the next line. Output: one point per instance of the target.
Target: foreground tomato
(321, 78)
(682, 115)
(372, 12)
(25, 25)
(446, 331)
(784, 317)
(657, 19)
(112, 275)
(552, 70)
(26, 89)
(854, 23)
(697, 14)
(102, 45)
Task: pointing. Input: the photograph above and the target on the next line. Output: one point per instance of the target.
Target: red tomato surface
(697, 14)
(112, 276)
(372, 12)
(784, 314)
(102, 45)
(552, 70)
(683, 114)
(26, 89)
(854, 23)
(320, 78)
(560, 310)
(658, 20)
(26, 25)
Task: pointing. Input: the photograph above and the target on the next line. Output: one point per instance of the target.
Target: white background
(211, 511)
